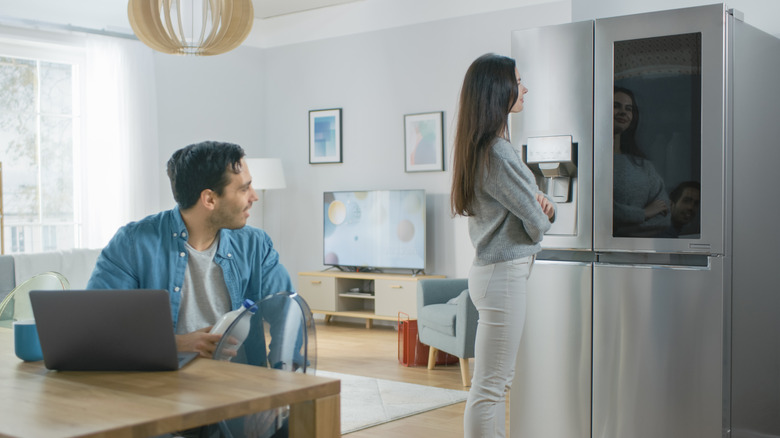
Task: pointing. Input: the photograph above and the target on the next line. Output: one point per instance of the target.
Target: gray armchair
(447, 320)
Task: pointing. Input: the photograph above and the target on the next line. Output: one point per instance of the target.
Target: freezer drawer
(658, 351)
(550, 396)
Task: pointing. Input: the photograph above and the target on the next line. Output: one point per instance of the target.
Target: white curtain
(120, 168)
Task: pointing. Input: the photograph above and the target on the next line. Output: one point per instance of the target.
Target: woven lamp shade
(191, 27)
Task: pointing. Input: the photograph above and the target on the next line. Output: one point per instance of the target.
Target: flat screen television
(374, 229)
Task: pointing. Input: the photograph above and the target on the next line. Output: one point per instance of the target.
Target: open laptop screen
(106, 330)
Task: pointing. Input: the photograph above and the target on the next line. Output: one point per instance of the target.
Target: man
(685, 201)
(201, 252)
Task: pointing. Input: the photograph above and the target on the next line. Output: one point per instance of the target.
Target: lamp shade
(191, 27)
(267, 173)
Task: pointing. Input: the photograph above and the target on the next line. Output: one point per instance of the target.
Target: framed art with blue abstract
(325, 136)
(424, 142)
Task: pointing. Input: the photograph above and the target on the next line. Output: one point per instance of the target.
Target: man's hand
(201, 341)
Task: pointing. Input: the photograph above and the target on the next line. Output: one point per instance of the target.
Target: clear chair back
(16, 305)
(282, 336)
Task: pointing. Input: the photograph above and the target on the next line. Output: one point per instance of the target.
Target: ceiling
(111, 15)
(286, 22)
(274, 8)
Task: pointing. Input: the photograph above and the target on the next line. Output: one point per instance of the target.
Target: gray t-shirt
(204, 296)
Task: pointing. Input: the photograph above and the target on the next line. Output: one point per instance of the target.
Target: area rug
(367, 402)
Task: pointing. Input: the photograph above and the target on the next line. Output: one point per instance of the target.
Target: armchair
(447, 320)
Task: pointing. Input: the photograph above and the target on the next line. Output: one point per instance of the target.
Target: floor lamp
(267, 174)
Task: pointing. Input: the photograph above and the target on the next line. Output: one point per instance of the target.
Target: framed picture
(424, 142)
(325, 136)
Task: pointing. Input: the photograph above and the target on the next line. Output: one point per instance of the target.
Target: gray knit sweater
(508, 222)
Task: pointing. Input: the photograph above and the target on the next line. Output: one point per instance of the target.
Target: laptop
(107, 330)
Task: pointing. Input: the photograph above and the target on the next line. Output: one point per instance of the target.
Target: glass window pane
(18, 79)
(657, 137)
(56, 169)
(36, 149)
(20, 169)
(56, 88)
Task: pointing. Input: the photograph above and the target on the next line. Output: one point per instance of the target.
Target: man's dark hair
(202, 166)
(678, 191)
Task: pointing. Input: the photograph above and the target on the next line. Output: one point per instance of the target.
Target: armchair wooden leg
(432, 357)
(465, 375)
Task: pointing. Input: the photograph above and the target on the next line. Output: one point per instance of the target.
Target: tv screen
(376, 229)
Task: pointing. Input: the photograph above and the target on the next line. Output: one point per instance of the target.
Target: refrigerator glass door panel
(556, 65)
(659, 132)
(657, 351)
(551, 391)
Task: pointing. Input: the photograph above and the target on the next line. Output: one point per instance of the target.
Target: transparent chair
(282, 335)
(16, 305)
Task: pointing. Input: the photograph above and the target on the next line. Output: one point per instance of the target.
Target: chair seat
(439, 317)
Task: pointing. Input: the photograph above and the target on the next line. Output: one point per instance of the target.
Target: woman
(508, 216)
(640, 201)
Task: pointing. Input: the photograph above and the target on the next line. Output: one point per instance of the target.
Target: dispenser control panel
(549, 149)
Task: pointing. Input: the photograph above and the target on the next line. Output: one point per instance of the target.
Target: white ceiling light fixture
(191, 27)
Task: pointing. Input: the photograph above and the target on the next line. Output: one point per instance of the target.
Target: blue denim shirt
(150, 254)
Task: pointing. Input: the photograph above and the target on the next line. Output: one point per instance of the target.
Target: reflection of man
(685, 200)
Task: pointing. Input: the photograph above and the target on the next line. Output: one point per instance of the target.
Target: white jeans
(499, 294)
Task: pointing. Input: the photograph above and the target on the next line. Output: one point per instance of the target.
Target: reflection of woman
(641, 204)
(508, 216)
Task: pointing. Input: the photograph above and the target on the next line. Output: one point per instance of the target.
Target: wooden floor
(350, 348)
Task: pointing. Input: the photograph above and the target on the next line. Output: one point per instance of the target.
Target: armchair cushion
(440, 317)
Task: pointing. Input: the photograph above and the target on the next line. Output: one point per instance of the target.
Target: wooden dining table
(37, 402)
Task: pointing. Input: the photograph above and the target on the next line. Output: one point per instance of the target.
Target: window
(77, 127)
(38, 131)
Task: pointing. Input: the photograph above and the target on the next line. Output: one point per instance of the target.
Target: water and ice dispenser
(553, 159)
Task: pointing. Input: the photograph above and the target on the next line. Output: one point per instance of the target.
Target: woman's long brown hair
(489, 92)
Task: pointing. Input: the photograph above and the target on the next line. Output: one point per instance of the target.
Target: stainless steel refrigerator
(652, 321)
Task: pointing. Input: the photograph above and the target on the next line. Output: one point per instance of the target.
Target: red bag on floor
(412, 352)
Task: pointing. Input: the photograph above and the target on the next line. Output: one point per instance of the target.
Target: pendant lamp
(191, 27)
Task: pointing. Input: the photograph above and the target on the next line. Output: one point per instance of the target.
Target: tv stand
(365, 295)
(415, 272)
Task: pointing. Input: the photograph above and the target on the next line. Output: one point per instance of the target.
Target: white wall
(209, 98)
(260, 98)
(376, 78)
